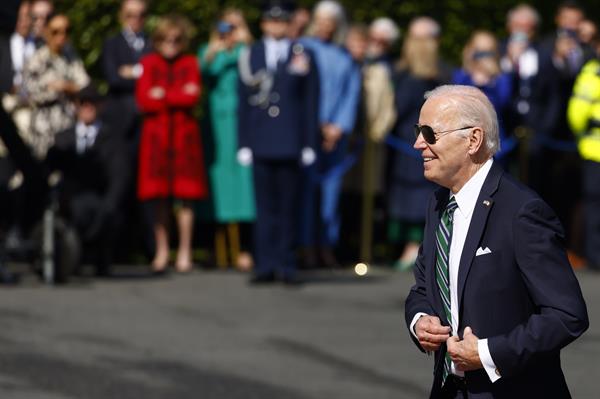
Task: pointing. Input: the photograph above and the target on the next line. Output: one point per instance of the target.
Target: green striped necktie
(442, 269)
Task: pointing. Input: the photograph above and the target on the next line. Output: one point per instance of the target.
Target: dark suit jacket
(523, 296)
(104, 169)
(116, 52)
(288, 121)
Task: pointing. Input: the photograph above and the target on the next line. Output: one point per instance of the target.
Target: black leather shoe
(293, 281)
(262, 279)
(8, 278)
(328, 258)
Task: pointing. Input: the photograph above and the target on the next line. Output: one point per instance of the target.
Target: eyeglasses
(134, 15)
(172, 40)
(430, 136)
(59, 31)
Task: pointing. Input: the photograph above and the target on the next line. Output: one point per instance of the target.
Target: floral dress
(52, 111)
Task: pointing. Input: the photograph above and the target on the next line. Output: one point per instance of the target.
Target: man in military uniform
(278, 128)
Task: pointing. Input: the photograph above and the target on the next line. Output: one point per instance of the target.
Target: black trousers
(454, 388)
(276, 185)
(591, 204)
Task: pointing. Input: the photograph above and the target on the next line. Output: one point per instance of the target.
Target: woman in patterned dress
(171, 167)
(51, 77)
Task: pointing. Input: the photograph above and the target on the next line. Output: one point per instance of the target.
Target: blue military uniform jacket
(278, 110)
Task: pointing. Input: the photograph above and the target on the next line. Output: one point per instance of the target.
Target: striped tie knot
(451, 207)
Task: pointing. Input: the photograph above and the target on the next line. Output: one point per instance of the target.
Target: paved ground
(208, 335)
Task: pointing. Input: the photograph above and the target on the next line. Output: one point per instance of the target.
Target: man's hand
(331, 135)
(430, 333)
(464, 354)
(126, 71)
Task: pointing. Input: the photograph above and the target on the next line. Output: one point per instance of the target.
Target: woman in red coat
(171, 167)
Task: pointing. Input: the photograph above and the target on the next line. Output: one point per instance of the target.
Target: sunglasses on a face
(59, 31)
(431, 136)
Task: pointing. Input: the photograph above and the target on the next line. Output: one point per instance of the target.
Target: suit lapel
(482, 209)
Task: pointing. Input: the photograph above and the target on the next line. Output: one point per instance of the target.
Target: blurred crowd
(295, 147)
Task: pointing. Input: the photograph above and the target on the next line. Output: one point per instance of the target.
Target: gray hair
(470, 106)
(425, 23)
(334, 10)
(523, 9)
(387, 27)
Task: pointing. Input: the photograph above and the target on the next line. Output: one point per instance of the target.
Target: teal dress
(231, 184)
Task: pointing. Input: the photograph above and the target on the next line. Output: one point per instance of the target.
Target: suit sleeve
(347, 106)
(110, 68)
(142, 91)
(311, 96)
(117, 168)
(178, 96)
(561, 313)
(417, 302)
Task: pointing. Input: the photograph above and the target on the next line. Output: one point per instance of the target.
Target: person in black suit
(278, 128)
(495, 296)
(95, 175)
(121, 55)
(120, 61)
(556, 171)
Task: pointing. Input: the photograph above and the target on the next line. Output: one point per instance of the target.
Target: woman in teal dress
(231, 184)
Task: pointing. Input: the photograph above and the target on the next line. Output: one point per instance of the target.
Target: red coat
(170, 157)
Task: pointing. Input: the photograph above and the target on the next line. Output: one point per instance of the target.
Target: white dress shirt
(85, 136)
(21, 50)
(276, 51)
(466, 200)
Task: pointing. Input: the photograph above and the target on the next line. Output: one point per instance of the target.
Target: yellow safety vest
(583, 111)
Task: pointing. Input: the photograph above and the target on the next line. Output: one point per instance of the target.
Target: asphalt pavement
(209, 335)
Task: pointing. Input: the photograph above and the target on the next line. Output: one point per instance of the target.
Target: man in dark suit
(278, 127)
(95, 169)
(121, 55)
(121, 67)
(495, 297)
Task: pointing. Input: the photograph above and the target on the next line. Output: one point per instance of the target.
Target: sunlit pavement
(211, 335)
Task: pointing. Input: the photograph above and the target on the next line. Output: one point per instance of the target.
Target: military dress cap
(278, 10)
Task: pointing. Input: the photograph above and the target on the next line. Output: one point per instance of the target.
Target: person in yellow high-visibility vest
(583, 114)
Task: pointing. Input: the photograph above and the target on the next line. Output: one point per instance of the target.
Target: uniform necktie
(442, 274)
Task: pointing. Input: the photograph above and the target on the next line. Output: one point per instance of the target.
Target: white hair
(330, 8)
(428, 24)
(469, 106)
(334, 10)
(387, 27)
(523, 10)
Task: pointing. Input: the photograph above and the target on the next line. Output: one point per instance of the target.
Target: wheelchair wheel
(64, 256)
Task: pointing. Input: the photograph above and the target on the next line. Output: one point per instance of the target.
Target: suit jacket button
(273, 111)
(497, 372)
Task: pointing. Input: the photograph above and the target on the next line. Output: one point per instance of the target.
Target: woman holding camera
(232, 190)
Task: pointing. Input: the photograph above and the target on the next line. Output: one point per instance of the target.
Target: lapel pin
(486, 203)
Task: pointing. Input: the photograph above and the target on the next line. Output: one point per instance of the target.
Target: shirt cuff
(414, 321)
(487, 361)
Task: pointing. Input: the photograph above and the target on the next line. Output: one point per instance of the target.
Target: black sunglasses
(430, 136)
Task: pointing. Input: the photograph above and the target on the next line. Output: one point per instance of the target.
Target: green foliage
(94, 20)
